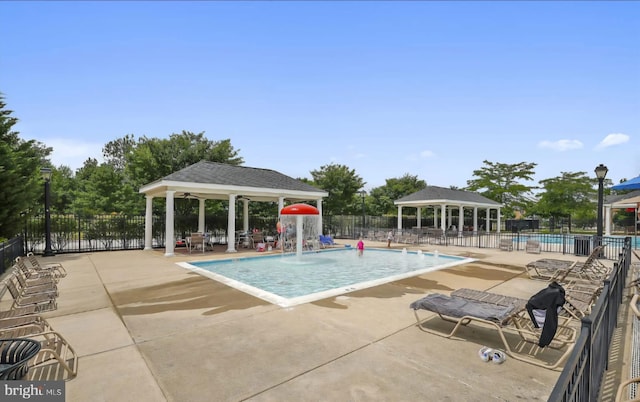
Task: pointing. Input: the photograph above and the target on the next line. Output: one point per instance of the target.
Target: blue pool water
(568, 239)
(288, 280)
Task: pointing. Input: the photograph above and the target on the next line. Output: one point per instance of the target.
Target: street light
(46, 175)
(362, 194)
(601, 172)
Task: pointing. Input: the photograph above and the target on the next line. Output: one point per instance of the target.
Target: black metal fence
(73, 233)
(581, 379)
(9, 250)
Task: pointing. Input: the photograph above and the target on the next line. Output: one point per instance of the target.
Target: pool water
(288, 280)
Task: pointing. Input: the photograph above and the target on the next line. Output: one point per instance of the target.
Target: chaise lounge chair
(550, 269)
(56, 268)
(578, 303)
(34, 274)
(41, 302)
(508, 321)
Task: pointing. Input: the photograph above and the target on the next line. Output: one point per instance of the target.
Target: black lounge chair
(15, 354)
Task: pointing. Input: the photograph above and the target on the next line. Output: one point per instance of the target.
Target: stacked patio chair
(34, 290)
(56, 269)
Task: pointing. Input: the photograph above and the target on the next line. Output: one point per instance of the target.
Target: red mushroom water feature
(305, 218)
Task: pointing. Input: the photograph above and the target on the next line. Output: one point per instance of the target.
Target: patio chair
(630, 388)
(56, 360)
(31, 323)
(15, 354)
(578, 304)
(326, 241)
(18, 312)
(506, 244)
(41, 302)
(196, 241)
(591, 270)
(31, 288)
(56, 268)
(507, 321)
(533, 246)
(32, 274)
(546, 268)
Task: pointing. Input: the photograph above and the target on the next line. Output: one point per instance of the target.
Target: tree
(382, 198)
(153, 158)
(20, 163)
(571, 194)
(502, 182)
(342, 184)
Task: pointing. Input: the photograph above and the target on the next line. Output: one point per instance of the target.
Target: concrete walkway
(148, 330)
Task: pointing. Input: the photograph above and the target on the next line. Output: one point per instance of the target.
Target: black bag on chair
(548, 300)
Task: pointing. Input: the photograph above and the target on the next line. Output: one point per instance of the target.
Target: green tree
(154, 158)
(343, 185)
(20, 163)
(381, 198)
(571, 194)
(505, 183)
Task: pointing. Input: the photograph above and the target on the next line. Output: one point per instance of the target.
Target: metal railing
(9, 250)
(582, 376)
(73, 233)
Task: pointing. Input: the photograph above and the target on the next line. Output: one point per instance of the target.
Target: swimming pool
(288, 280)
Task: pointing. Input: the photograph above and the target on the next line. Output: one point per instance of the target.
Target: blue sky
(386, 88)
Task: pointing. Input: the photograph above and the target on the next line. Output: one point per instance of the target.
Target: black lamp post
(46, 175)
(601, 173)
(362, 194)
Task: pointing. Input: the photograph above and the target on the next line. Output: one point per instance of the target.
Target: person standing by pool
(360, 247)
(389, 238)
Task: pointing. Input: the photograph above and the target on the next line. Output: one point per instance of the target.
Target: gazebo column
(607, 220)
(400, 218)
(498, 221)
(231, 225)
(148, 224)
(245, 215)
(488, 221)
(475, 219)
(435, 216)
(201, 215)
(319, 206)
(419, 216)
(443, 217)
(169, 239)
(460, 220)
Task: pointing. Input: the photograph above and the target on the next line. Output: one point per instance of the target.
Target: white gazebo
(629, 200)
(444, 201)
(218, 181)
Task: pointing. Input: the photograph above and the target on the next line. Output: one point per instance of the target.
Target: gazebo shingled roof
(432, 195)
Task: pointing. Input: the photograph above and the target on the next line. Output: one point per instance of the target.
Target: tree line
(111, 187)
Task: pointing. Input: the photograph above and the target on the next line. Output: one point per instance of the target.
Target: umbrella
(633, 184)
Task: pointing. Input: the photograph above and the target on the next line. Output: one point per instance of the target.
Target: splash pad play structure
(299, 225)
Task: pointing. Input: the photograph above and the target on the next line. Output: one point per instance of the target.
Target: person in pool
(360, 247)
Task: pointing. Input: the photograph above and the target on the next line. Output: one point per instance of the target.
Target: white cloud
(561, 145)
(421, 155)
(73, 153)
(613, 139)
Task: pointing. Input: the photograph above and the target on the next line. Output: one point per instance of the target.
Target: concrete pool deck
(146, 329)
